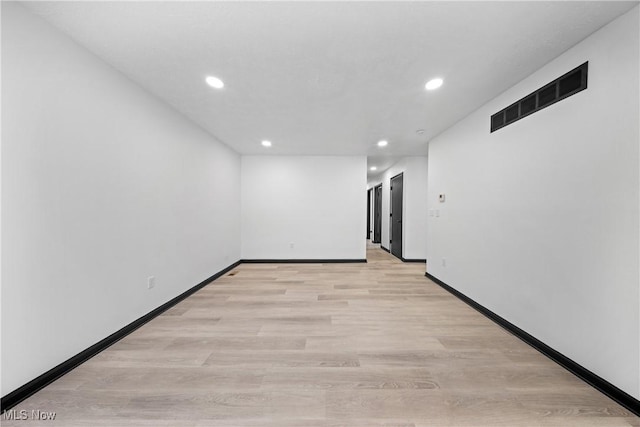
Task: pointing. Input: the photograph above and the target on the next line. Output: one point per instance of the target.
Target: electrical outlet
(151, 282)
(444, 262)
(291, 245)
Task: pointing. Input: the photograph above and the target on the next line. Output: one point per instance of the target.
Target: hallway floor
(323, 345)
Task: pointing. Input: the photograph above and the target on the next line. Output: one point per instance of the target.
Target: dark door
(395, 239)
(369, 213)
(377, 214)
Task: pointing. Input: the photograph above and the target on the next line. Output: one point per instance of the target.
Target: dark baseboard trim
(599, 383)
(23, 392)
(300, 261)
(15, 397)
(413, 260)
(384, 249)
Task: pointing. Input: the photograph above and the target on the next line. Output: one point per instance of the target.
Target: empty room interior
(320, 213)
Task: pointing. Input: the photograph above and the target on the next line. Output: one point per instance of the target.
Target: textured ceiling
(328, 77)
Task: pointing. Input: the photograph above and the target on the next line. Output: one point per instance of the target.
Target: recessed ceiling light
(214, 82)
(382, 143)
(372, 168)
(420, 131)
(433, 84)
(266, 143)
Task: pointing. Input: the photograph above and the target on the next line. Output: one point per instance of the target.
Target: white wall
(102, 186)
(541, 219)
(317, 203)
(414, 205)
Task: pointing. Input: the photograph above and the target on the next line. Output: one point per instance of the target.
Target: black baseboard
(53, 374)
(10, 400)
(599, 383)
(300, 261)
(384, 249)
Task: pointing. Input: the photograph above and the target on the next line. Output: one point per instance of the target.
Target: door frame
(369, 193)
(391, 249)
(377, 213)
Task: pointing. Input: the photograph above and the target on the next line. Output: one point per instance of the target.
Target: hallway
(323, 345)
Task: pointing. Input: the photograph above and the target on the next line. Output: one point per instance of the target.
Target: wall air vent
(562, 87)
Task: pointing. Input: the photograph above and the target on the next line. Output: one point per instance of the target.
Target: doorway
(369, 193)
(395, 218)
(377, 214)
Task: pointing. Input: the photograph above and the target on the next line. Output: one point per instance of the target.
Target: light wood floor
(374, 344)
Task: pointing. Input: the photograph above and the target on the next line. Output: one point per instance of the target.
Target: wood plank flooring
(374, 344)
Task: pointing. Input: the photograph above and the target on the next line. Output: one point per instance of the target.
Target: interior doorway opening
(369, 195)
(377, 214)
(395, 216)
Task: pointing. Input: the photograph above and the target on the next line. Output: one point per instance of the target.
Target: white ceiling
(328, 77)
